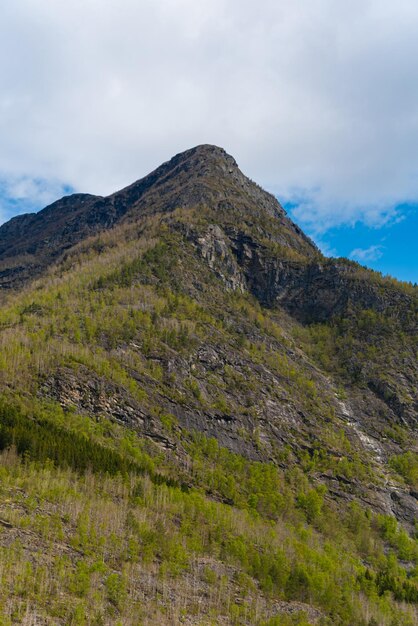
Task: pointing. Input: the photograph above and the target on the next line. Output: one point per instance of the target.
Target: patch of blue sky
(391, 248)
(24, 194)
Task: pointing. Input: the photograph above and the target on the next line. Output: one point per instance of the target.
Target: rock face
(200, 177)
(230, 239)
(309, 286)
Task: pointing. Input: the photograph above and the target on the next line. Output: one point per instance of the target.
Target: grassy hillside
(202, 419)
(172, 452)
(133, 539)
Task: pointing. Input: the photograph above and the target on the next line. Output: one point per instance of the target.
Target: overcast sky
(316, 99)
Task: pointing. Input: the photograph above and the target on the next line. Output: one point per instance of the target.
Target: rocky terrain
(184, 329)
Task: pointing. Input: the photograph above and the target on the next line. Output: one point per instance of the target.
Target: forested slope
(203, 420)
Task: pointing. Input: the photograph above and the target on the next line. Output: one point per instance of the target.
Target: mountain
(203, 419)
(203, 176)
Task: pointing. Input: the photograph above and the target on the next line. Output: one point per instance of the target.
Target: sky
(317, 100)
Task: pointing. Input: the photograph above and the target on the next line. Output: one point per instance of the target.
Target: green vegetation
(367, 349)
(115, 510)
(407, 466)
(119, 523)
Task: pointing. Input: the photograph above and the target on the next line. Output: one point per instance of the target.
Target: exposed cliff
(185, 330)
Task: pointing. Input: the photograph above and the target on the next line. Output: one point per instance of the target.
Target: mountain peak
(190, 168)
(204, 177)
(205, 149)
(208, 153)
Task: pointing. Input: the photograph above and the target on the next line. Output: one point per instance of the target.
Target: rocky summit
(203, 420)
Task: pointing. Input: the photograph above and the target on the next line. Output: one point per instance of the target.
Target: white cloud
(373, 253)
(315, 95)
(24, 195)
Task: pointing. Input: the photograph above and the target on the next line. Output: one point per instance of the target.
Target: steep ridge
(244, 236)
(261, 397)
(202, 176)
(248, 241)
